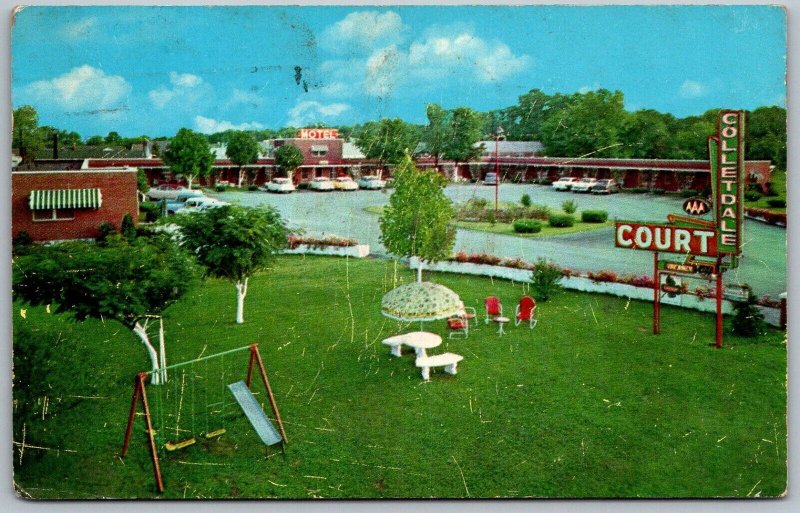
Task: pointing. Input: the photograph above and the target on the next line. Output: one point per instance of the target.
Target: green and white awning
(65, 198)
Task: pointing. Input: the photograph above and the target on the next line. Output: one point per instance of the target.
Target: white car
(321, 184)
(564, 183)
(166, 191)
(371, 183)
(345, 183)
(200, 204)
(585, 185)
(280, 185)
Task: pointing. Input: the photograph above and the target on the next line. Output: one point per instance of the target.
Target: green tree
(466, 129)
(242, 150)
(141, 182)
(765, 135)
(387, 141)
(189, 155)
(113, 138)
(120, 280)
(646, 134)
(27, 137)
(95, 140)
(288, 157)
(690, 140)
(416, 221)
(589, 125)
(233, 243)
(437, 132)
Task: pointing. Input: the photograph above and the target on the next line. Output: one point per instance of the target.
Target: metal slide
(255, 414)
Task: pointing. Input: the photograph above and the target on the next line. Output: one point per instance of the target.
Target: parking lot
(763, 265)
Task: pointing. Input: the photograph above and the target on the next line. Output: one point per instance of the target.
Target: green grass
(508, 228)
(779, 181)
(588, 404)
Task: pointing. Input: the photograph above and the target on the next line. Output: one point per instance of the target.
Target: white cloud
(335, 89)
(381, 75)
(81, 87)
(211, 126)
(185, 87)
(80, 29)
(692, 89)
(239, 97)
(308, 111)
(438, 55)
(365, 29)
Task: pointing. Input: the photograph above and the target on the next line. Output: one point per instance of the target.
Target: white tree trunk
(241, 292)
(155, 377)
(241, 176)
(419, 270)
(189, 180)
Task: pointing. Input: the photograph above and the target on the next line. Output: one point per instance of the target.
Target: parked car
(321, 184)
(584, 185)
(280, 185)
(178, 203)
(200, 204)
(605, 186)
(491, 179)
(565, 183)
(167, 191)
(345, 183)
(371, 183)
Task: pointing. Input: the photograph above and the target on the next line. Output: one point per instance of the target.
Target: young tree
(466, 128)
(27, 137)
(141, 182)
(387, 141)
(288, 157)
(121, 280)
(234, 243)
(189, 155)
(417, 220)
(242, 150)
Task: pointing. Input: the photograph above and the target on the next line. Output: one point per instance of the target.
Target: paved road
(763, 265)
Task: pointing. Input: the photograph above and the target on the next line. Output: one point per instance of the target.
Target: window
(319, 150)
(55, 214)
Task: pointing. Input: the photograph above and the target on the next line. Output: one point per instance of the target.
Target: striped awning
(65, 198)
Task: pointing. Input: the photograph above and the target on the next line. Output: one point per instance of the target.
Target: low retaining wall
(583, 284)
(357, 251)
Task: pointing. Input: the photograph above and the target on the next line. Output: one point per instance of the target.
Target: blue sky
(153, 70)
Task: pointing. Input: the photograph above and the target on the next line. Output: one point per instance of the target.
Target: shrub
(22, 239)
(688, 193)
(748, 321)
(776, 203)
(221, 188)
(252, 188)
(603, 276)
(516, 263)
(491, 217)
(127, 228)
(527, 226)
(569, 206)
(752, 195)
(151, 210)
(538, 212)
(771, 190)
(658, 192)
(545, 279)
(561, 220)
(306, 185)
(318, 242)
(106, 229)
(594, 216)
(525, 200)
(545, 181)
(638, 190)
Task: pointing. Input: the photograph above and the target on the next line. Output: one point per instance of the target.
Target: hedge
(561, 220)
(527, 226)
(594, 216)
(776, 203)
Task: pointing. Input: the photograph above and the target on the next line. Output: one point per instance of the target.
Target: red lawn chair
(525, 312)
(493, 308)
(459, 327)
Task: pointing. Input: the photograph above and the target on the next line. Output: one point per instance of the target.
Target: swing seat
(170, 446)
(215, 433)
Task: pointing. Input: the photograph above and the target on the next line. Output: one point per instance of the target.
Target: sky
(153, 70)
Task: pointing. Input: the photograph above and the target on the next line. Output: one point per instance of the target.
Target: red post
(270, 395)
(253, 351)
(131, 416)
(719, 303)
(656, 296)
(151, 435)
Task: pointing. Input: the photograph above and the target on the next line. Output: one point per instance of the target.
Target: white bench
(395, 343)
(446, 360)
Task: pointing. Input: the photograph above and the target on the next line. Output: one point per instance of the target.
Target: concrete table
(422, 340)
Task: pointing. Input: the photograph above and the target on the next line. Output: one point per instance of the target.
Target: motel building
(54, 203)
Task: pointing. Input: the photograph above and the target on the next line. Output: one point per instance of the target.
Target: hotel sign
(666, 238)
(727, 173)
(318, 133)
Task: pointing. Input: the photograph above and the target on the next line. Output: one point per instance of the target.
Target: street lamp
(497, 135)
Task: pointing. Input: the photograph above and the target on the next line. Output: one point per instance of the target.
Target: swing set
(195, 405)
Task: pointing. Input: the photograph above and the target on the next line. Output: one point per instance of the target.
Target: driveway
(763, 265)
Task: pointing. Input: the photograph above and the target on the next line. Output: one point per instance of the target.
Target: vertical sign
(729, 181)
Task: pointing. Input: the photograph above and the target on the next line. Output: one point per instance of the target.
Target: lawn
(779, 183)
(508, 228)
(588, 404)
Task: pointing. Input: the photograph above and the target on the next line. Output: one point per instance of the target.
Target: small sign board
(670, 289)
(680, 268)
(318, 133)
(696, 206)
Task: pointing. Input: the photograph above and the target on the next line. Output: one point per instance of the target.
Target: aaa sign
(666, 238)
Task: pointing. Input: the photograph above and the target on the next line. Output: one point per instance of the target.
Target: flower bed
(604, 282)
(767, 216)
(334, 246)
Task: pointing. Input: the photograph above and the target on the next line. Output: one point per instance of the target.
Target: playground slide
(255, 414)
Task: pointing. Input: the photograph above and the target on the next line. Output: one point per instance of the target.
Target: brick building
(65, 204)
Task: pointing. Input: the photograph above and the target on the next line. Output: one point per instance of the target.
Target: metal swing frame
(140, 395)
